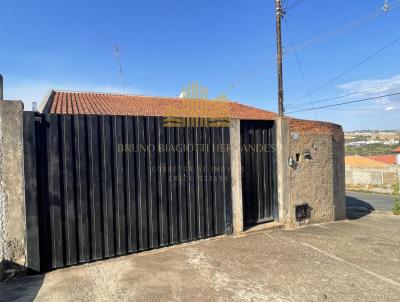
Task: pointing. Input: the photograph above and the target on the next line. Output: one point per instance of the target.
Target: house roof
(397, 150)
(63, 102)
(386, 159)
(68, 102)
(361, 161)
(310, 126)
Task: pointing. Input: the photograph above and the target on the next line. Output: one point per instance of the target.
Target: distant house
(397, 152)
(364, 162)
(367, 172)
(386, 159)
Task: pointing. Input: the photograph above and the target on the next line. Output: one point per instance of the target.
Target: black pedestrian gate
(102, 186)
(259, 184)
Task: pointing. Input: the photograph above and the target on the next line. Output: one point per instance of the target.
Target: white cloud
(390, 108)
(28, 90)
(375, 87)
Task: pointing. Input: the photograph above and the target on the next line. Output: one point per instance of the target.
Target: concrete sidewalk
(351, 260)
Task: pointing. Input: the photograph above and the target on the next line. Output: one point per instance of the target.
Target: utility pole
(1, 87)
(279, 14)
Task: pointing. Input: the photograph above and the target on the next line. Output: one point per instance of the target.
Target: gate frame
(275, 195)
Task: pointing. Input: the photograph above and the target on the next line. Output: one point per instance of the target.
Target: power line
(353, 24)
(290, 7)
(353, 67)
(336, 97)
(361, 109)
(247, 74)
(300, 66)
(345, 103)
(358, 22)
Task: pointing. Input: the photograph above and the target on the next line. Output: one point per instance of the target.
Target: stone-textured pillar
(12, 210)
(339, 174)
(282, 152)
(236, 175)
(317, 176)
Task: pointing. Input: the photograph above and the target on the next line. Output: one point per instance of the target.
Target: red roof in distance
(397, 150)
(387, 159)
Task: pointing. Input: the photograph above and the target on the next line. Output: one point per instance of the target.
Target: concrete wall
(12, 215)
(318, 181)
(372, 176)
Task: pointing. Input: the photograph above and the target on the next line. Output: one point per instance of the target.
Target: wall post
(236, 175)
(282, 152)
(339, 177)
(12, 195)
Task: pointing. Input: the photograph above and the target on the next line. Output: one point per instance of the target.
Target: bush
(396, 198)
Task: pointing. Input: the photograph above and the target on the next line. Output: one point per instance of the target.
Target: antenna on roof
(116, 51)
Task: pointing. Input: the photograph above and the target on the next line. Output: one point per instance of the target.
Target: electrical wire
(353, 24)
(358, 22)
(334, 79)
(361, 109)
(336, 97)
(290, 7)
(246, 75)
(345, 103)
(300, 66)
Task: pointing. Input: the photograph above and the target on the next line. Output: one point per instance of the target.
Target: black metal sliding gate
(102, 186)
(259, 185)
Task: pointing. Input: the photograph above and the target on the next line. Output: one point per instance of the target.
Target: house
(115, 174)
(366, 172)
(397, 152)
(386, 159)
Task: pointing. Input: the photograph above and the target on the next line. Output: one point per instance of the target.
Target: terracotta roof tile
(386, 159)
(309, 126)
(117, 104)
(360, 161)
(397, 150)
(65, 102)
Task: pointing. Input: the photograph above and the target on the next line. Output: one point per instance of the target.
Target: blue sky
(165, 45)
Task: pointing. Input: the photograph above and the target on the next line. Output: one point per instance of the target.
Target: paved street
(376, 202)
(353, 260)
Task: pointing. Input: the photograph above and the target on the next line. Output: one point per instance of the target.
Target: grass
(396, 198)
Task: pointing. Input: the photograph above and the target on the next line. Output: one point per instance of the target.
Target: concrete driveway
(353, 260)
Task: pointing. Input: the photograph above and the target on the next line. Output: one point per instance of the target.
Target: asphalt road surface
(371, 201)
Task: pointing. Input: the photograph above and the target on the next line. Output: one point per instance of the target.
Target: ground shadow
(23, 288)
(357, 208)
